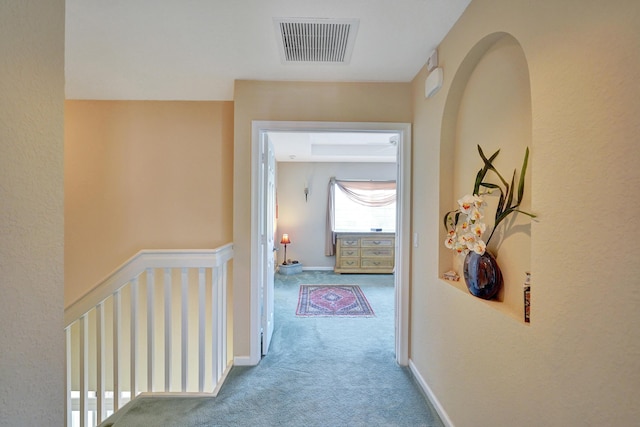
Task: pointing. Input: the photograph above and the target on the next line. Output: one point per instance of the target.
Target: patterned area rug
(333, 300)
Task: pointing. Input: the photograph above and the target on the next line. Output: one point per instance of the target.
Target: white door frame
(403, 237)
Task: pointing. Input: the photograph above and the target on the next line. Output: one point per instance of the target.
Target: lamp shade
(285, 239)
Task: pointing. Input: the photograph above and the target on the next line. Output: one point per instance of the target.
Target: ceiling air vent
(316, 40)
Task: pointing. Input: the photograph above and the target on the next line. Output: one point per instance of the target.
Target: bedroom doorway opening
(264, 201)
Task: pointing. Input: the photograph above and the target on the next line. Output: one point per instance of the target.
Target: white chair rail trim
(146, 258)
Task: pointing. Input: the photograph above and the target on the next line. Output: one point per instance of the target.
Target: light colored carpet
(320, 371)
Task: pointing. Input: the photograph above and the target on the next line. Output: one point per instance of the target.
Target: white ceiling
(335, 146)
(195, 49)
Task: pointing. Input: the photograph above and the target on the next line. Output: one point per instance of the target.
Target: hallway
(319, 372)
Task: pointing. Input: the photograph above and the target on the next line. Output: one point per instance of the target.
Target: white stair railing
(158, 324)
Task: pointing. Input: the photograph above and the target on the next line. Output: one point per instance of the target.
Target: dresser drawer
(349, 242)
(350, 252)
(376, 263)
(348, 263)
(377, 252)
(382, 242)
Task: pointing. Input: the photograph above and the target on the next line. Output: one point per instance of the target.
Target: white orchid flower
(466, 203)
(478, 201)
(478, 229)
(476, 214)
(479, 247)
(450, 241)
(461, 249)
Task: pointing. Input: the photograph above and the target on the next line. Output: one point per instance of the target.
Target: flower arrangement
(465, 226)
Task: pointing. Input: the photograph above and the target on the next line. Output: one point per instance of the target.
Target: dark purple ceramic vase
(482, 274)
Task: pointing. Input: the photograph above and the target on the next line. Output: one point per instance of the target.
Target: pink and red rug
(333, 300)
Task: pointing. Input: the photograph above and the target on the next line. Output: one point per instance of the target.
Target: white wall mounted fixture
(432, 61)
(433, 83)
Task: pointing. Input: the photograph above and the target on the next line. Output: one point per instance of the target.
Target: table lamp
(285, 241)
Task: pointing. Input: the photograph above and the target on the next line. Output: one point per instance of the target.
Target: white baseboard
(223, 378)
(317, 268)
(430, 395)
(243, 361)
(144, 394)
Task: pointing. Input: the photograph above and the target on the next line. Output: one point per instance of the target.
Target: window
(351, 215)
(359, 206)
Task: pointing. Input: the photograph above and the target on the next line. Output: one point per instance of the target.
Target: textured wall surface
(31, 212)
(143, 175)
(578, 362)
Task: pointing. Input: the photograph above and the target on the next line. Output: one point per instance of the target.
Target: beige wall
(143, 175)
(577, 362)
(31, 213)
(333, 102)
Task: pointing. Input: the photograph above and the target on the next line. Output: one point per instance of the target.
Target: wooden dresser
(365, 253)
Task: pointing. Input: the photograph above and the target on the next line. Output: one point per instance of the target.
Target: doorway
(261, 289)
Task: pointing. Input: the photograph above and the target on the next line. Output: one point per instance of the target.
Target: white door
(269, 168)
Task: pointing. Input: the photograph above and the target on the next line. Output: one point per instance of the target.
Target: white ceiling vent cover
(316, 40)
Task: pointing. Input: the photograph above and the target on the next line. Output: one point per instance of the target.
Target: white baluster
(215, 330)
(117, 321)
(167, 329)
(134, 337)
(67, 384)
(100, 412)
(201, 325)
(150, 328)
(222, 308)
(84, 369)
(185, 328)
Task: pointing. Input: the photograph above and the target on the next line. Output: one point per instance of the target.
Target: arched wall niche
(489, 104)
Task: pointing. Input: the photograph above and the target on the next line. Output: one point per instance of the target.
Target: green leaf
(489, 164)
(503, 215)
(522, 174)
(510, 189)
(491, 185)
(499, 208)
(491, 159)
(526, 213)
(445, 221)
(479, 177)
(483, 172)
(506, 204)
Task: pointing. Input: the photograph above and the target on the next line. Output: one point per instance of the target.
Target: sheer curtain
(362, 192)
